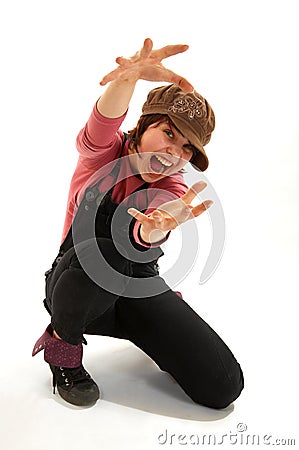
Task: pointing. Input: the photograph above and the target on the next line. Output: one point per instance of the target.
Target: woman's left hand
(171, 214)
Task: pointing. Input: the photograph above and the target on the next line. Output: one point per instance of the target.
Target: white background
(243, 58)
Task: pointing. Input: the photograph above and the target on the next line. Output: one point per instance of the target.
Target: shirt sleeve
(100, 140)
(98, 143)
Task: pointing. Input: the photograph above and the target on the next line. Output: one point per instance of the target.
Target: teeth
(163, 161)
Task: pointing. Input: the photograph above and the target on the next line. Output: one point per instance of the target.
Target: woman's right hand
(146, 64)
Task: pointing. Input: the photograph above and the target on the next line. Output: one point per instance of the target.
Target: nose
(174, 150)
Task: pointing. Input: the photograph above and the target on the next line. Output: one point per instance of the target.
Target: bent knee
(220, 394)
(99, 252)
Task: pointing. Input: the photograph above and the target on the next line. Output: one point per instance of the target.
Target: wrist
(126, 82)
(115, 100)
(153, 236)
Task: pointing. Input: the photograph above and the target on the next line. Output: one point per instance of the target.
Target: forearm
(115, 100)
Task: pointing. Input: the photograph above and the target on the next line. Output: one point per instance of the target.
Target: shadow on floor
(128, 377)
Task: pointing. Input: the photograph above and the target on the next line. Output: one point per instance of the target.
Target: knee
(221, 391)
(103, 264)
(99, 252)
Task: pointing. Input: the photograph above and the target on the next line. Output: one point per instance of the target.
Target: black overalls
(104, 283)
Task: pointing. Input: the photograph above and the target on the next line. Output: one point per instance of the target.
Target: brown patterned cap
(190, 113)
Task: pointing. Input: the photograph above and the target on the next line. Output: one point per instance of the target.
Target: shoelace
(70, 376)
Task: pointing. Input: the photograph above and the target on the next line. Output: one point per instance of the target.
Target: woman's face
(162, 151)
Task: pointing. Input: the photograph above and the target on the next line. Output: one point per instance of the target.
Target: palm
(171, 214)
(147, 65)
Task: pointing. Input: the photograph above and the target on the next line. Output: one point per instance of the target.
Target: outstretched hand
(172, 214)
(146, 64)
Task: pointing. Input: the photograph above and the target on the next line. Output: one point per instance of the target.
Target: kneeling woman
(126, 195)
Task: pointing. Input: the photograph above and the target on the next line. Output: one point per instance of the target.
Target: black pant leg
(167, 329)
(74, 300)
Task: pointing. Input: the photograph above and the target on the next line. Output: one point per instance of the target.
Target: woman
(126, 195)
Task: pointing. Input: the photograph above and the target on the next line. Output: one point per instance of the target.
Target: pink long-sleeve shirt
(99, 143)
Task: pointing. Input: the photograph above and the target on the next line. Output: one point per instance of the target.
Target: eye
(169, 133)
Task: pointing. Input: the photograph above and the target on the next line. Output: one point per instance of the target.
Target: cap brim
(199, 159)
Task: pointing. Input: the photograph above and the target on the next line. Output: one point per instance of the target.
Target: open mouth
(158, 164)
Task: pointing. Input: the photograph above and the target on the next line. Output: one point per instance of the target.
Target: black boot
(73, 383)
